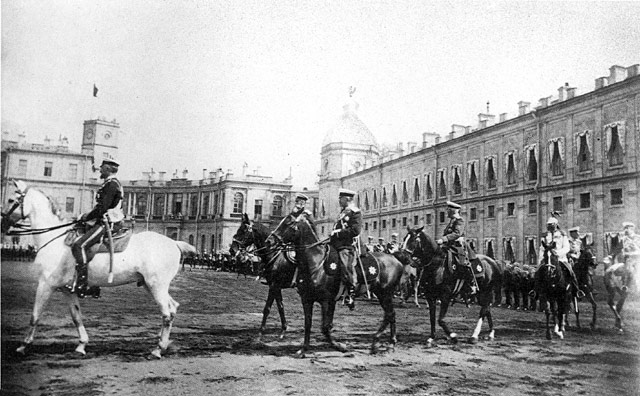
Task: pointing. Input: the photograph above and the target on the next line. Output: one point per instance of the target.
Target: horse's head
(17, 209)
(243, 237)
(286, 231)
(587, 256)
(419, 245)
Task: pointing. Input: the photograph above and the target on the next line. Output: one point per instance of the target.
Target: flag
(95, 91)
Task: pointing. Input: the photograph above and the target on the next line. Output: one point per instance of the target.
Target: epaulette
(354, 209)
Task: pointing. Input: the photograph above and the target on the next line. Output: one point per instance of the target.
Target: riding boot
(81, 280)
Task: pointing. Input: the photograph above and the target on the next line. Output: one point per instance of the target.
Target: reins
(37, 231)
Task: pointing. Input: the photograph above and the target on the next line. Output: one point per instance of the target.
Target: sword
(356, 241)
(110, 238)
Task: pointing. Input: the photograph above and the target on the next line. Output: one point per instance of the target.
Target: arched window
(556, 160)
(491, 174)
(384, 197)
(442, 184)
(238, 203)
(584, 153)
(375, 199)
(416, 191)
(405, 193)
(473, 178)
(511, 169)
(394, 196)
(532, 168)
(366, 201)
(428, 187)
(615, 148)
(457, 183)
(277, 206)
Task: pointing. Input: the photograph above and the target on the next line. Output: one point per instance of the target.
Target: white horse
(150, 259)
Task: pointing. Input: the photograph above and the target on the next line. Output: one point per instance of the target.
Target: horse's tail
(186, 249)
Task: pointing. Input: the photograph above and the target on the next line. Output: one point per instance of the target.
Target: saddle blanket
(120, 242)
(476, 267)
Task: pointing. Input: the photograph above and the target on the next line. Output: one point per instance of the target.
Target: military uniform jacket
(454, 230)
(631, 245)
(108, 197)
(392, 247)
(349, 223)
(562, 245)
(575, 246)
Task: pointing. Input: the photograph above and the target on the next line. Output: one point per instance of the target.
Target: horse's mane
(261, 232)
(53, 204)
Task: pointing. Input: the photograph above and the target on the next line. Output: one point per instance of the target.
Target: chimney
(204, 174)
(601, 82)
(523, 107)
(47, 141)
(428, 139)
(229, 173)
(562, 92)
(503, 117)
(633, 71)
(411, 147)
(185, 172)
(244, 169)
(161, 176)
(544, 102)
(485, 120)
(617, 74)
(400, 149)
(456, 131)
(437, 141)
(571, 93)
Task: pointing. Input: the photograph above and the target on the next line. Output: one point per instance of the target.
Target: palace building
(205, 213)
(573, 154)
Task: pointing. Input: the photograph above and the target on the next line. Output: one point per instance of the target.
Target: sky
(204, 85)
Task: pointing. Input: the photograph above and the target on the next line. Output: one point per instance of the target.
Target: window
(158, 206)
(385, 202)
(457, 184)
(69, 205)
(511, 209)
(429, 189)
(491, 174)
(511, 169)
(429, 218)
(384, 224)
(48, 168)
(473, 214)
(238, 202)
(366, 226)
(491, 211)
(375, 199)
(557, 204)
(416, 191)
(532, 165)
(393, 223)
(614, 153)
(394, 196)
(358, 201)
(442, 184)
(531, 252)
(404, 221)
(616, 196)
(366, 201)
(473, 178)
(177, 204)
(415, 220)
(442, 217)
(191, 239)
(557, 168)
(193, 206)
(22, 168)
(584, 154)
(73, 172)
(509, 253)
(205, 205)
(203, 240)
(585, 200)
(213, 244)
(405, 193)
(257, 207)
(277, 206)
(141, 204)
(216, 203)
(489, 249)
(533, 206)
(375, 225)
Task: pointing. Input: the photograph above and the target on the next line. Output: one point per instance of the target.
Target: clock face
(89, 134)
(107, 135)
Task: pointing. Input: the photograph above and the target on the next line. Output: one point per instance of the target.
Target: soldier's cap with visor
(576, 229)
(370, 238)
(381, 239)
(553, 220)
(453, 205)
(346, 193)
(301, 197)
(627, 224)
(110, 161)
(394, 235)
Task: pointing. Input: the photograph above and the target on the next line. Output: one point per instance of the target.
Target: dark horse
(319, 280)
(553, 290)
(615, 271)
(278, 269)
(440, 279)
(583, 268)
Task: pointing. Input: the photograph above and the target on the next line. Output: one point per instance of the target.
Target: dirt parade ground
(216, 349)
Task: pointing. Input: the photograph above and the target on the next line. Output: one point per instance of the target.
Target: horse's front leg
(386, 302)
(547, 312)
(444, 307)
(308, 318)
(431, 301)
(328, 309)
(558, 311)
(280, 305)
(43, 293)
(577, 311)
(76, 316)
(168, 307)
(485, 311)
(266, 310)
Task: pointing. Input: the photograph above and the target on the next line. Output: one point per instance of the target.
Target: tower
(100, 139)
(349, 146)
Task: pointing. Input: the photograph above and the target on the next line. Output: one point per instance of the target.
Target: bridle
(19, 202)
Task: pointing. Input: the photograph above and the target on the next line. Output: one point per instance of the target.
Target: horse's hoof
(454, 338)
(473, 340)
(21, 350)
(300, 354)
(156, 353)
(80, 350)
(549, 336)
(560, 335)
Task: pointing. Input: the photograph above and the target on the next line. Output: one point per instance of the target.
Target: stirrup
(349, 302)
(579, 293)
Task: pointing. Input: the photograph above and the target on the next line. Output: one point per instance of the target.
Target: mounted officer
(630, 251)
(106, 213)
(393, 246)
(299, 207)
(575, 245)
(561, 250)
(342, 239)
(453, 239)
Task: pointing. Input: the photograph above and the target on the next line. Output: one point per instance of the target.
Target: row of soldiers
(389, 248)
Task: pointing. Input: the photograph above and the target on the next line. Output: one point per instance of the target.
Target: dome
(350, 129)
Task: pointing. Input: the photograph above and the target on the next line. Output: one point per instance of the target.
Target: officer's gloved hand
(439, 241)
(335, 232)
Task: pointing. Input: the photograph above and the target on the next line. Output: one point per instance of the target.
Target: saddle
(121, 240)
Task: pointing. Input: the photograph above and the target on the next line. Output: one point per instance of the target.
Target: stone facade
(576, 155)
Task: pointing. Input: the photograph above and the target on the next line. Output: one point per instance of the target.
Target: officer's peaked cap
(628, 224)
(453, 205)
(110, 161)
(302, 197)
(395, 234)
(346, 193)
(552, 220)
(576, 229)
